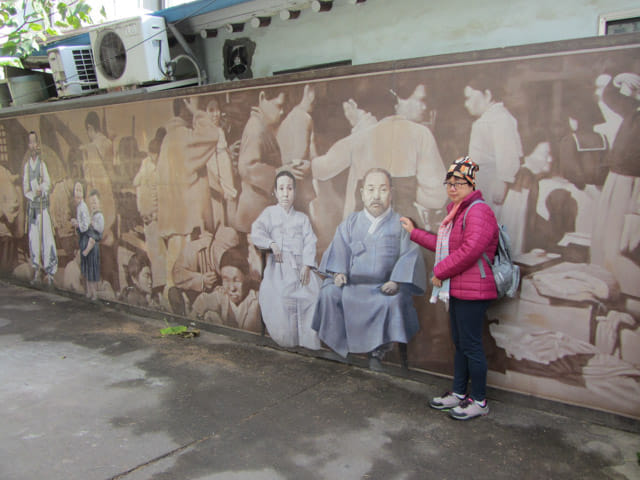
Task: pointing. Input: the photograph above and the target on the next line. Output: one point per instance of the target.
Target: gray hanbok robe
(358, 317)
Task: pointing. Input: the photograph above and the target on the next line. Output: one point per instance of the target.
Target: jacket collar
(472, 197)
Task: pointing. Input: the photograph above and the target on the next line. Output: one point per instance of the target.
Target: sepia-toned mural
(233, 208)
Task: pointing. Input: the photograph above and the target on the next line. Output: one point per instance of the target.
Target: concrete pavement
(92, 391)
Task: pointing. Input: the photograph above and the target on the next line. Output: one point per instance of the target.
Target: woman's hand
(304, 275)
(407, 224)
(339, 279)
(436, 281)
(277, 252)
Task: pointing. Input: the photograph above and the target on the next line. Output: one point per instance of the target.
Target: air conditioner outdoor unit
(73, 70)
(133, 51)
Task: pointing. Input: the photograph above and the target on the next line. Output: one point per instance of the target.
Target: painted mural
(228, 207)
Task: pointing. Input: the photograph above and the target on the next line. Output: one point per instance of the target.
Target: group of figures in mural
(281, 208)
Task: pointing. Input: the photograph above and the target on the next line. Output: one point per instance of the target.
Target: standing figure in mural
(289, 288)
(458, 281)
(81, 223)
(146, 184)
(615, 242)
(11, 218)
(211, 138)
(258, 161)
(494, 143)
(398, 143)
(92, 251)
(139, 289)
(325, 168)
(97, 167)
(98, 170)
(233, 303)
(197, 268)
(174, 221)
(36, 184)
(373, 271)
(297, 147)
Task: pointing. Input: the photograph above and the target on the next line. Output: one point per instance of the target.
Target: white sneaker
(469, 409)
(446, 401)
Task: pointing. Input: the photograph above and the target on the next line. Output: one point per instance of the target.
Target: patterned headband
(465, 168)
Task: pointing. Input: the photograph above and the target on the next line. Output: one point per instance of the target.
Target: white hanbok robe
(287, 306)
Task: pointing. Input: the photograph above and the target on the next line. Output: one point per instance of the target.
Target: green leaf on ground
(178, 329)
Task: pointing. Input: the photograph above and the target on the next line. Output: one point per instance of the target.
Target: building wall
(570, 334)
(384, 30)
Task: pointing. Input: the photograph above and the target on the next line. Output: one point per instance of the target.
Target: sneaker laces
(465, 402)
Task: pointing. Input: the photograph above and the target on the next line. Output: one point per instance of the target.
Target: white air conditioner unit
(73, 70)
(133, 51)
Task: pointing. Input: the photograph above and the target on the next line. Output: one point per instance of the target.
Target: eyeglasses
(455, 185)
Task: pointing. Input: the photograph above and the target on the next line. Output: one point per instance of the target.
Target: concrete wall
(387, 30)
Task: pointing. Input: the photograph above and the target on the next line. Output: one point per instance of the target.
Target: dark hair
(284, 173)
(452, 174)
(94, 192)
(156, 142)
(135, 265)
(235, 257)
(33, 132)
(93, 120)
(482, 82)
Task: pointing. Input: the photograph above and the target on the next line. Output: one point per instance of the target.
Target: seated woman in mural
(289, 288)
(139, 291)
(234, 303)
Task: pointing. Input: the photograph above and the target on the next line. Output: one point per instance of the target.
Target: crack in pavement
(252, 415)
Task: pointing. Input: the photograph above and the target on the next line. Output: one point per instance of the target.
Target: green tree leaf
(25, 24)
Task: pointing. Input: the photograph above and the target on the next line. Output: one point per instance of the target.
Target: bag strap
(483, 274)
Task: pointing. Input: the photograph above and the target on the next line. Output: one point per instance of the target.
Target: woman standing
(462, 279)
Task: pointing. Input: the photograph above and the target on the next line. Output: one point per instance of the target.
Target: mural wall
(173, 204)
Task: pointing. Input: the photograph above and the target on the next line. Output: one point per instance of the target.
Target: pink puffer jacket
(479, 236)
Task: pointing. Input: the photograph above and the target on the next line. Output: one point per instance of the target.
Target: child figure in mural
(233, 303)
(91, 252)
(289, 289)
(139, 291)
(81, 223)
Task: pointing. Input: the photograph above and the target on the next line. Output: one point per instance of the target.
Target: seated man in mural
(374, 269)
(234, 303)
(197, 268)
